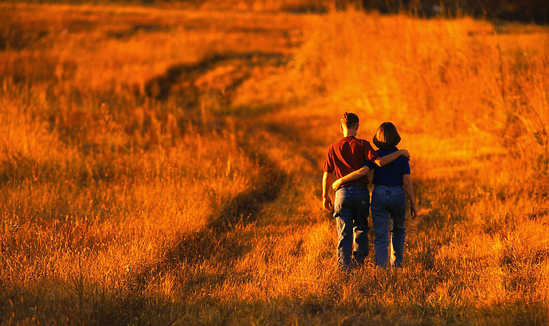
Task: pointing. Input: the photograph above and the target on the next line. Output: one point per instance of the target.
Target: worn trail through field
(220, 242)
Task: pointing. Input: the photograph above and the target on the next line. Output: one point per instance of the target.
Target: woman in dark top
(391, 186)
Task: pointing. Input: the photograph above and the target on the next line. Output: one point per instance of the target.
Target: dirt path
(218, 243)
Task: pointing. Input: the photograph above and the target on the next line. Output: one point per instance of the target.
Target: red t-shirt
(348, 155)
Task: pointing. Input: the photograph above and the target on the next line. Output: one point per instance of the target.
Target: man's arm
(360, 173)
(381, 161)
(409, 190)
(355, 175)
(326, 200)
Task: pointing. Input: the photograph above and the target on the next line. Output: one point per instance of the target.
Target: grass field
(164, 166)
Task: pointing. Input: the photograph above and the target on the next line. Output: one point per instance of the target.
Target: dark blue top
(390, 174)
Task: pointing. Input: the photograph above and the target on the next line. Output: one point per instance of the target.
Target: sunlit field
(163, 166)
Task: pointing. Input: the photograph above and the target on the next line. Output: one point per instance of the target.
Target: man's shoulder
(364, 143)
(339, 142)
(353, 141)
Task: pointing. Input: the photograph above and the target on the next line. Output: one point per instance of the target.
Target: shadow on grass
(141, 309)
(220, 243)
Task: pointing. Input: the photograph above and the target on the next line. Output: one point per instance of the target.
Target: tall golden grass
(203, 206)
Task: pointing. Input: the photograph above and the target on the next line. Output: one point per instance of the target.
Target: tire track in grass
(218, 245)
(221, 242)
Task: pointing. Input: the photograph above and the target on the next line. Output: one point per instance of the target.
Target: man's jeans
(351, 210)
(388, 201)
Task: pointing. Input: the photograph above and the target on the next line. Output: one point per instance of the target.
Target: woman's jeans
(351, 210)
(388, 201)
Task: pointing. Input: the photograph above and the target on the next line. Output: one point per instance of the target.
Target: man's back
(347, 155)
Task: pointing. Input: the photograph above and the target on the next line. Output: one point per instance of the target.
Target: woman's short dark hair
(350, 120)
(386, 136)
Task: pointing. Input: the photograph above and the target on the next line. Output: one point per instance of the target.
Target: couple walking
(350, 159)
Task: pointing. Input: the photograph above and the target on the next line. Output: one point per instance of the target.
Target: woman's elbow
(363, 172)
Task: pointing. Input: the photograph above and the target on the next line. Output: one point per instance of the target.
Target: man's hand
(404, 153)
(336, 184)
(327, 203)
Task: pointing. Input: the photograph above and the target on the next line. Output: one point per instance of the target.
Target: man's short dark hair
(350, 120)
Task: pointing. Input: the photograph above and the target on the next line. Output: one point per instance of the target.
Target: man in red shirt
(352, 201)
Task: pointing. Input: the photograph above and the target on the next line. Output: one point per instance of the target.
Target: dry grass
(163, 166)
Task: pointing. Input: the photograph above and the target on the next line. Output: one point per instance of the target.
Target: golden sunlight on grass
(164, 166)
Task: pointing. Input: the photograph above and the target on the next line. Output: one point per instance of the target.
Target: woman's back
(391, 174)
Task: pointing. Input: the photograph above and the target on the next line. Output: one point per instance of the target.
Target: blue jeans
(388, 201)
(351, 210)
